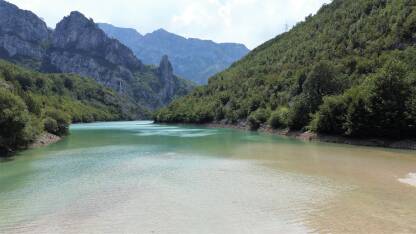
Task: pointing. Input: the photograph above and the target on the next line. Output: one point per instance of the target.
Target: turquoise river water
(140, 177)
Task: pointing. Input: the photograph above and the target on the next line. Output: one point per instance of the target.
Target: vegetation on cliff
(348, 70)
(32, 103)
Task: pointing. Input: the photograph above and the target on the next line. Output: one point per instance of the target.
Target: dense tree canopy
(31, 103)
(350, 70)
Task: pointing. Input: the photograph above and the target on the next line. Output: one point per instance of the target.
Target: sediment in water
(409, 144)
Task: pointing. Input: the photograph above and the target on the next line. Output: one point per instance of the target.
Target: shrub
(68, 83)
(231, 116)
(380, 107)
(257, 118)
(51, 125)
(62, 120)
(14, 117)
(389, 92)
(279, 118)
(298, 116)
(359, 118)
(25, 81)
(319, 83)
(33, 104)
(331, 116)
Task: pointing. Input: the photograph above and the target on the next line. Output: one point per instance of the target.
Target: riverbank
(408, 144)
(42, 140)
(45, 139)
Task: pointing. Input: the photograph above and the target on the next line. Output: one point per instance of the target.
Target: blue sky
(251, 22)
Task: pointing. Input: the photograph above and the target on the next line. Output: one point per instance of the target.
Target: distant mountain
(193, 59)
(79, 46)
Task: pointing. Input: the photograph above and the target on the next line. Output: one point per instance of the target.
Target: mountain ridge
(192, 58)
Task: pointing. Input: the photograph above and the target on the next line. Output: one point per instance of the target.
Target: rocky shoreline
(45, 139)
(407, 144)
(42, 140)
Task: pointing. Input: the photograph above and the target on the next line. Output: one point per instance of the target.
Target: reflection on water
(138, 177)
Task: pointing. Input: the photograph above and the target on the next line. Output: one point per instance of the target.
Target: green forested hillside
(349, 70)
(32, 103)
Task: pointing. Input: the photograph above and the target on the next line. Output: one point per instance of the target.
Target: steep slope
(193, 59)
(23, 36)
(348, 70)
(32, 103)
(77, 45)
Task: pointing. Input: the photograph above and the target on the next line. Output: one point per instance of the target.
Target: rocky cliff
(23, 36)
(78, 45)
(165, 72)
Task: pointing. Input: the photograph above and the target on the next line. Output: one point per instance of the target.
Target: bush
(25, 81)
(14, 117)
(380, 107)
(51, 125)
(319, 83)
(359, 118)
(31, 131)
(257, 118)
(298, 116)
(331, 116)
(33, 104)
(279, 118)
(389, 92)
(68, 83)
(231, 116)
(62, 120)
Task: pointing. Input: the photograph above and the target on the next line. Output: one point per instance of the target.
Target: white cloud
(247, 21)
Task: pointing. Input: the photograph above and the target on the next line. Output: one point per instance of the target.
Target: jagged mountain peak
(165, 66)
(77, 32)
(76, 20)
(76, 14)
(77, 27)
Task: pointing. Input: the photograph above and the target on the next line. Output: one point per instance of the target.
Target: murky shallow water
(137, 177)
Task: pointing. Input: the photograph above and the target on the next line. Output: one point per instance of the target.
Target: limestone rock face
(76, 32)
(79, 46)
(22, 33)
(167, 78)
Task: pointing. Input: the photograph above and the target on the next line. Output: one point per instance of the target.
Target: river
(139, 177)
